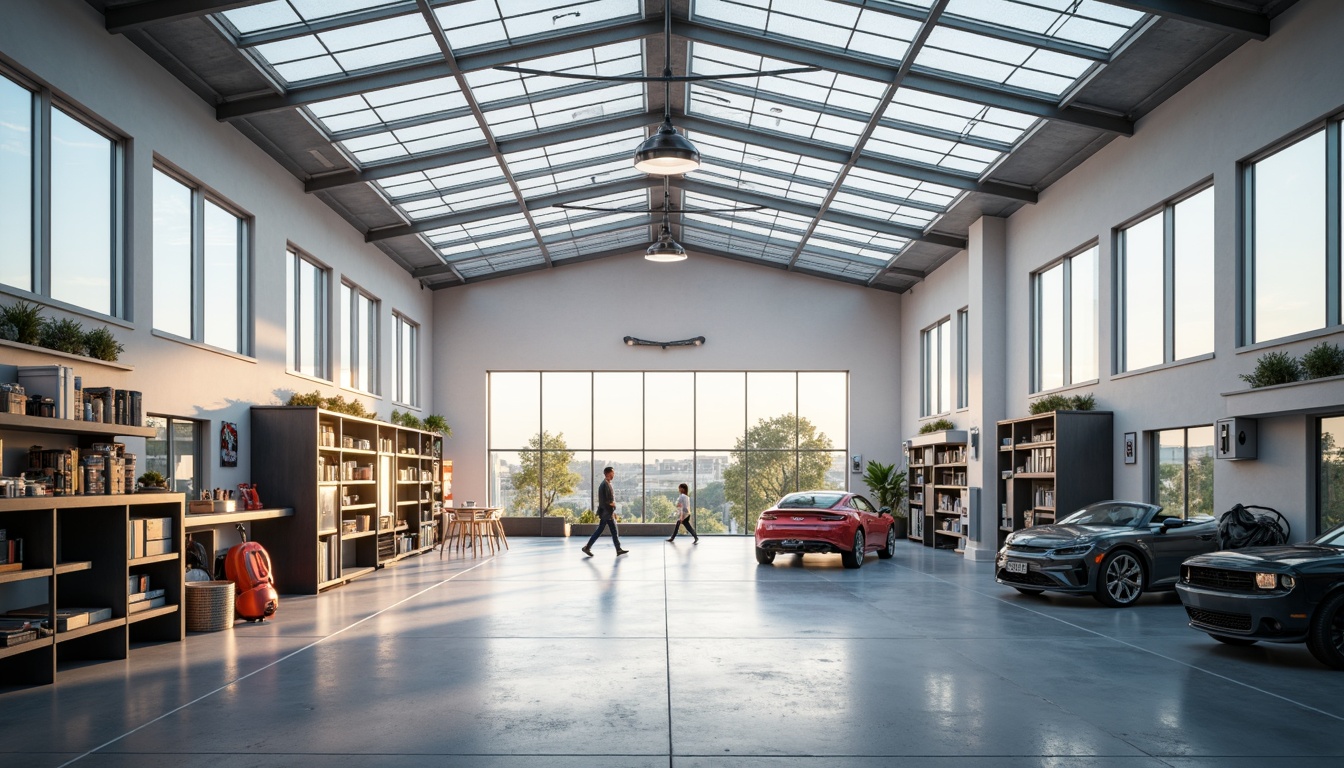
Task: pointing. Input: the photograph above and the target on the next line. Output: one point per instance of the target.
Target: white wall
(1262, 93)
(63, 44)
(572, 318)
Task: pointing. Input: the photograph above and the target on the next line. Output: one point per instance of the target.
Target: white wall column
(986, 247)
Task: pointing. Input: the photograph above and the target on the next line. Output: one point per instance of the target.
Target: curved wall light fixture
(631, 341)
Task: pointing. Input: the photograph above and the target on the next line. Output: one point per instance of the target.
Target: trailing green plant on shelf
(937, 426)
(21, 322)
(153, 479)
(64, 335)
(887, 485)
(436, 423)
(101, 344)
(311, 399)
(1051, 403)
(407, 419)
(1274, 368)
(1324, 359)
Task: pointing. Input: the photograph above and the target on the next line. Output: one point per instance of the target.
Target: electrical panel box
(1235, 439)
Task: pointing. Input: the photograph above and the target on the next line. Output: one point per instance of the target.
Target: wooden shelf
(1044, 509)
(31, 645)
(354, 573)
(91, 629)
(245, 516)
(359, 482)
(34, 503)
(327, 531)
(24, 423)
(151, 613)
(332, 583)
(25, 574)
(1034, 475)
(73, 566)
(953, 465)
(150, 560)
(359, 451)
(953, 534)
(950, 512)
(1079, 453)
(356, 535)
(408, 503)
(950, 487)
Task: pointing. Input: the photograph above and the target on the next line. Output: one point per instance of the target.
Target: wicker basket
(209, 606)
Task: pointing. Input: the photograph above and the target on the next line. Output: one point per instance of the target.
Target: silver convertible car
(1112, 550)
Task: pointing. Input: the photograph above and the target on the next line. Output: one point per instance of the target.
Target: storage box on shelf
(1052, 464)
(938, 495)
(362, 493)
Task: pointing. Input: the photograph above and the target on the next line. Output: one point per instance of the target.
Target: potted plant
(152, 481)
(888, 487)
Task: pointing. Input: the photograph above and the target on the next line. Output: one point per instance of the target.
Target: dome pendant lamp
(666, 152)
(665, 249)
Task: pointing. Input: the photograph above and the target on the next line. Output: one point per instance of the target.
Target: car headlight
(1287, 582)
(1266, 580)
(1081, 549)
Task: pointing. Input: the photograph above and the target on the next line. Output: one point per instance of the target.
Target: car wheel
(764, 556)
(1325, 638)
(854, 557)
(1028, 591)
(889, 551)
(1120, 581)
(1234, 640)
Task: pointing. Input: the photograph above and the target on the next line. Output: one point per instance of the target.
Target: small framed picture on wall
(228, 444)
(1131, 448)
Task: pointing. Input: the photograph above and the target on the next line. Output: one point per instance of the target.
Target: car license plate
(790, 543)
(1015, 566)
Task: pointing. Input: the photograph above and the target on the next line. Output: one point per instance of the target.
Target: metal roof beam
(870, 162)
(431, 160)
(126, 18)
(1220, 17)
(930, 83)
(490, 212)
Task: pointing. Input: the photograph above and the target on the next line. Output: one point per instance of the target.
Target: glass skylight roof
(492, 85)
(576, 153)
(839, 240)
(347, 49)
(822, 89)
(1000, 61)
(538, 114)
(555, 224)
(285, 13)
(1085, 22)
(844, 26)
(958, 117)
(501, 262)
(774, 115)
(927, 150)
(389, 105)
(500, 234)
(477, 23)
(581, 244)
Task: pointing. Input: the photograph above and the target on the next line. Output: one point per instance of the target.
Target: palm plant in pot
(888, 488)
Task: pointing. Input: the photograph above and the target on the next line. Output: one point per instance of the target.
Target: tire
(854, 557)
(889, 551)
(1239, 641)
(1325, 638)
(1028, 591)
(1120, 579)
(764, 556)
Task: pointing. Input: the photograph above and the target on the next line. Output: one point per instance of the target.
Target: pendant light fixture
(665, 249)
(666, 152)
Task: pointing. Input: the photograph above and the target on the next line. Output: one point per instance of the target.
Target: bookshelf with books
(938, 491)
(1050, 465)
(362, 493)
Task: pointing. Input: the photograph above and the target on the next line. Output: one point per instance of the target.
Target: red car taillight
(767, 517)
(832, 518)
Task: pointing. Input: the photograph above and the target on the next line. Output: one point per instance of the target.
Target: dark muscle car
(1286, 594)
(1112, 550)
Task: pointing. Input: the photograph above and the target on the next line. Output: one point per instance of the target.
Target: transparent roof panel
(766, 234)
(389, 105)
(285, 13)
(554, 223)
(491, 85)
(766, 160)
(861, 205)
(1000, 61)
(415, 140)
(497, 234)
(900, 189)
(824, 89)
(592, 105)
(500, 262)
(957, 116)
(580, 244)
(477, 23)
(576, 153)
(762, 113)
(928, 150)
(1088, 22)
(420, 183)
(350, 49)
(592, 173)
(832, 265)
(843, 26)
(853, 242)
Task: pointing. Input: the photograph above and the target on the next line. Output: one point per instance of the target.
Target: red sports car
(825, 521)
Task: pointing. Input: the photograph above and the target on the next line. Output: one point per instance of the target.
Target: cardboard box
(158, 547)
(158, 528)
(202, 507)
(136, 539)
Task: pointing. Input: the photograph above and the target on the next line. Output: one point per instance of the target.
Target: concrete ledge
(535, 526)
(626, 529)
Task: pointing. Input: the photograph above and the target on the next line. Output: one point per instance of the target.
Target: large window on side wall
(739, 440)
(176, 451)
(1184, 472)
(1165, 284)
(307, 286)
(201, 264)
(1330, 473)
(1291, 278)
(61, 202)
(406, 366)
(935, 361)
(359, 339)
(1064, 322)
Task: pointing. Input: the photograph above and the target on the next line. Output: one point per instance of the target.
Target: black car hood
(1251, 557)
(1052, 536)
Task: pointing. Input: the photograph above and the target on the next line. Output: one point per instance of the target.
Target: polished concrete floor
(683, 655)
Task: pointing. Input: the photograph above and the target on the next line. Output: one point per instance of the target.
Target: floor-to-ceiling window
(1330, 473)
(935, 360)
(1183, 473)
(738, 439)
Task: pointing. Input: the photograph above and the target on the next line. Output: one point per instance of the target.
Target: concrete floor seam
(1128, 644)
(667, 649)
(265, 667)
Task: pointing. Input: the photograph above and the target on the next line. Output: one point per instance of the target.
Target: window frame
(1066, 283)
(963, 358)
(1334, 237)
(43, 102)
(200, 195)
(351, 354)
(1170, 274)
(932, 341)
(321, 321)
(1155, 451)
(1319, 490)
(200, 429)
(401, 381)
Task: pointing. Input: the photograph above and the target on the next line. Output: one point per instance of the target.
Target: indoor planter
(888, 487)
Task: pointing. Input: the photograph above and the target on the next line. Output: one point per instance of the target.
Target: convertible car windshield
(810, 500)
(1332, 538)
(1107, 514)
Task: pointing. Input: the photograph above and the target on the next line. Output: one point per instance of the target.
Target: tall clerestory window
(1064, 322)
